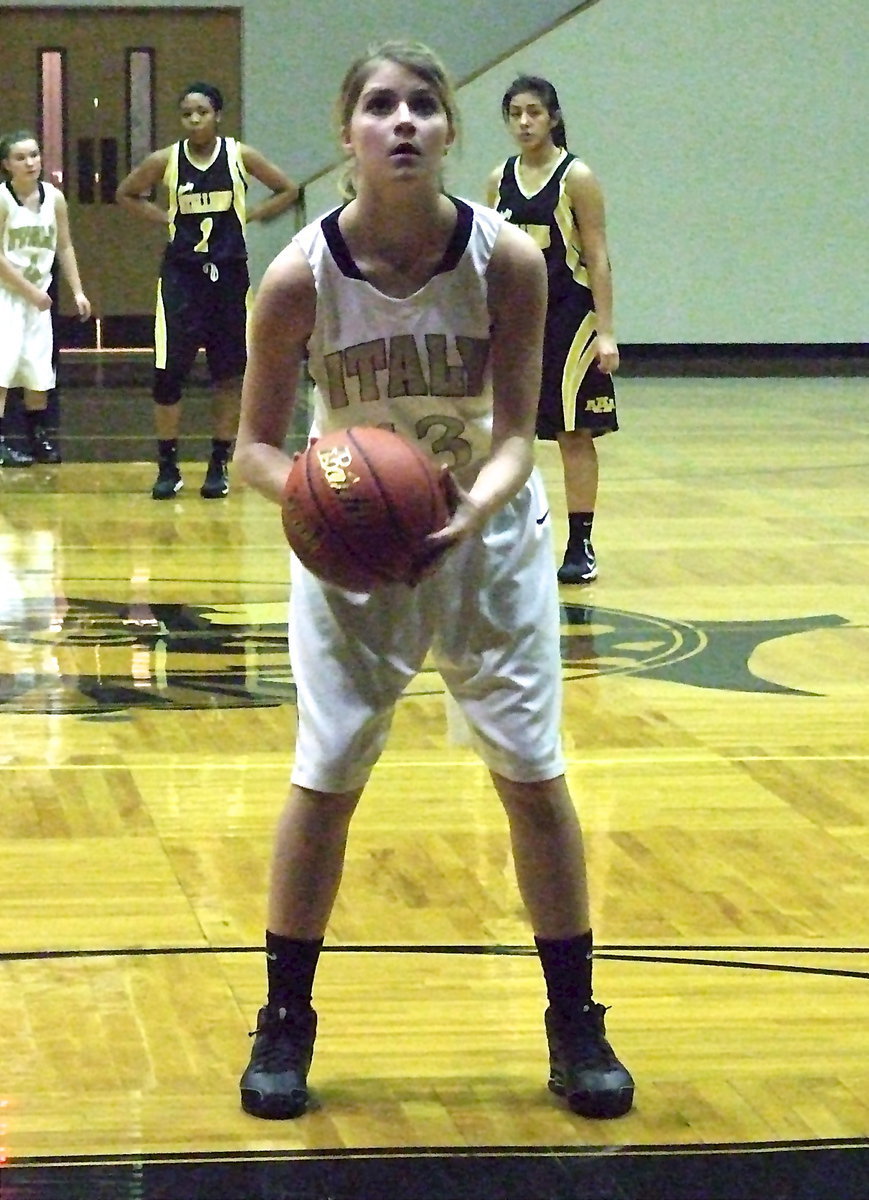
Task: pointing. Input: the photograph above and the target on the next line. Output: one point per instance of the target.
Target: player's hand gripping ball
(358, 505)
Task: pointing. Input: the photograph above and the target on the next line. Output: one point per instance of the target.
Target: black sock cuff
(291, 964)
(579, 524)
(276, 943)
(580, 942)
(567, 969)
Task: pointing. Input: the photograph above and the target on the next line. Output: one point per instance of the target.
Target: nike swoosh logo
(185, 187)
(540, 520)
(273, 957)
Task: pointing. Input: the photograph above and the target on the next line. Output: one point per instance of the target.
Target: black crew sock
(291, 964)
(567, 964)
(34, 418)
(579, 529)
(167, 451)
(220, 449)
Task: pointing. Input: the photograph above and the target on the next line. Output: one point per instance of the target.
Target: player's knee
(228, 368)
(546, 798)
(167, 388)
(577, 445)
(229, 382)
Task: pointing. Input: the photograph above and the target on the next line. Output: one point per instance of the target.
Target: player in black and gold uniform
(555, 197)
(203, 292)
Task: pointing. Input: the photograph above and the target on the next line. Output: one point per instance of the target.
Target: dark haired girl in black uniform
(557, 199)
(204, 287)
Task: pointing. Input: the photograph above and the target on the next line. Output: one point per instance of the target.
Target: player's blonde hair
(413, 56)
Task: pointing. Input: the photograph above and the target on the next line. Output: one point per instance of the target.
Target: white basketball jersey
(30, 238)
(420, 364)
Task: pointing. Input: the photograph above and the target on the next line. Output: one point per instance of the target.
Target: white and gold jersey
(30, 238)
(418, 364)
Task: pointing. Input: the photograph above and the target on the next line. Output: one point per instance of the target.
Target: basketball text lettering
(42, 237)
(335, 465)
(438, 365)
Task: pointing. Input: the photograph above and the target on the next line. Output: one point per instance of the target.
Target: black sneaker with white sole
(168, 482)
(216, 482)
(10, 457)
(580, 564)
(42, 448)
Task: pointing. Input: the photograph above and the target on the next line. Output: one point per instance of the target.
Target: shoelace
(283, 1046)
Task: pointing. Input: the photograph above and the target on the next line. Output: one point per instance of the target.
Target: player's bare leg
(548, 855)
(167, 426)
(307, 865)
(580, 467)
(308, 861)
(225, 404)
(550, 869)
(167, 422)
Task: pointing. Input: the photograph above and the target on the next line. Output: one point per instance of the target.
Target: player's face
(24, 162)
(399, 128)
(199, 119)
(529, 121)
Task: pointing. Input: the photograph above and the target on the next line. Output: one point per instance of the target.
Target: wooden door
(104, 122)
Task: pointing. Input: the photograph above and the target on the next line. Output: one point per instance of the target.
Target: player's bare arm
(517, 305)
(285, 193)
(492, 186)
(281, 323)
(66, 258)
(133, 191)
(587, 201)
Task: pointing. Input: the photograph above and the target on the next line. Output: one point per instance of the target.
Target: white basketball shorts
(26, 344)
(490, 618)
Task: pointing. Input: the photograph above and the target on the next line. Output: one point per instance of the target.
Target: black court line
(436, 1152)
(835, 1168)
(676, 956)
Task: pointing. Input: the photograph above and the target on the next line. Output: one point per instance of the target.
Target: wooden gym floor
(716, 725)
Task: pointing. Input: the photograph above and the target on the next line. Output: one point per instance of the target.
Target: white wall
(730, 139)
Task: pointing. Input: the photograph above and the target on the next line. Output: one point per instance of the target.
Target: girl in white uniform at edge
(34, 229)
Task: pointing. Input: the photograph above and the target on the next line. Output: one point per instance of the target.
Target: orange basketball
(358, 504)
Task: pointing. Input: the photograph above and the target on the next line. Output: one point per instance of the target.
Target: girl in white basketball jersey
(34, 228)
(403, 260)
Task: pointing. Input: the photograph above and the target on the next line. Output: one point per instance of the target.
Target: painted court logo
(81, 656)
(706, 654)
